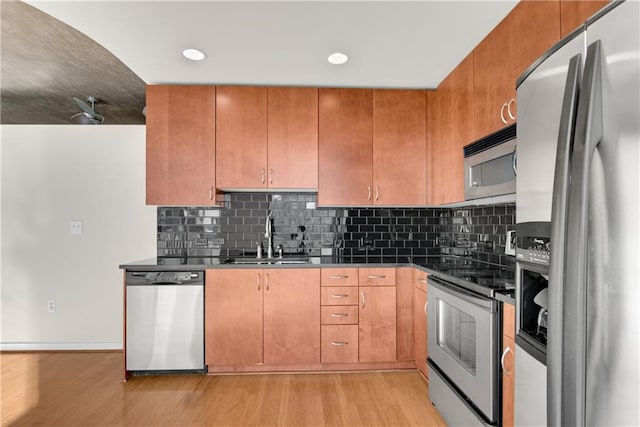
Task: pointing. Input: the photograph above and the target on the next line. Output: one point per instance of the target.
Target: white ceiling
(392, 44)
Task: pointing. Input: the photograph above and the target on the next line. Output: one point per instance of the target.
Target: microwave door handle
(558, 236)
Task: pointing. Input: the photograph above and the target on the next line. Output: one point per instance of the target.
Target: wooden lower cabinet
(339, 343)
(508, 364)
(291, 316)
(420, 330)
(233, 317)
(377, 324)
(255, 316)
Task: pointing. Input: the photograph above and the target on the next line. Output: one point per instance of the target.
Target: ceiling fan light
(194, 54)
(338, 58)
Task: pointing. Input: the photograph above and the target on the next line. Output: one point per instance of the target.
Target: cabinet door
(508, 381)
(377, 329)
(181, 137)
(420, 328)
(492, 81)
(241, 146)
(404, 310)
(508, 364)
(534, 26)
(450, 125)
(345, 147)
(573, 13)
(233, 317)
(399, 147)
(291, 316)
(293, 138)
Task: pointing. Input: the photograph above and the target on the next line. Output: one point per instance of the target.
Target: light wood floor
(84, 389)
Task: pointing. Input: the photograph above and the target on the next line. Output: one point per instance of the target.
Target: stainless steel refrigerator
(578, 171)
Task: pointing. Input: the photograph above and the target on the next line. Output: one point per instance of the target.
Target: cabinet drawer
(339, 277)
(339, 315)
(377, 276)
(339, 295)
(339, 343)
(420, 281)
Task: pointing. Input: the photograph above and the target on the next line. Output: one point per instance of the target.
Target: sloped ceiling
(111, 49)
(45, 63)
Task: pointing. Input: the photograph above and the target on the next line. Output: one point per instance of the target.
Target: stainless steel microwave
(490, 165)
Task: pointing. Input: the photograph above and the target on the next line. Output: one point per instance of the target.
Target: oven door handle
(480, 301)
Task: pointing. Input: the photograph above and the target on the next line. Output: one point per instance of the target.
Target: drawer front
(339, 343)
(420, 280)
(339, 277)
(377, 276)
(339, 315)
(339, 295)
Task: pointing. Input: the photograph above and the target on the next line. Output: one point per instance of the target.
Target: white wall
(50, 175)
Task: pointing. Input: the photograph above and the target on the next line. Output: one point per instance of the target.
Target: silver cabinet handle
(504, 354)
(363, 298)
(270, 176)
(504, 120)
(376, 276)
(259, 281)
(426, 304)
(421, 280)
(511, 102)
(267, 281)
(211, 193)
(339, 295)
(514, 161)
(339, 343)
(339, 276)
(377, 193)
(339, 314)
(262, 176)
(368, 192)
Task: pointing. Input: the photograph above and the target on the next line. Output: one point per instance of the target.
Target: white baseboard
(53, 346)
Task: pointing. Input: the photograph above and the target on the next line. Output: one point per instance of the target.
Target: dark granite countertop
(458, 270)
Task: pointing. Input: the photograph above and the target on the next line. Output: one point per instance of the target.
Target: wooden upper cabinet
(292, 138)
(492, 87)
(291, 316)
(450, 119)
(241, 146)
(573, 13)
(181, 138)
(527, 32)
(534, 26)
(345, 147)
(399, 147)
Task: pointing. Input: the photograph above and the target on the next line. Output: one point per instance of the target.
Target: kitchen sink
(261, 261)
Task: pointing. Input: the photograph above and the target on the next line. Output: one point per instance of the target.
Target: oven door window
(457, 335)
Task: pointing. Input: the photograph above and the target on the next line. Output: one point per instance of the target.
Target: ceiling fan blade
(84, 106)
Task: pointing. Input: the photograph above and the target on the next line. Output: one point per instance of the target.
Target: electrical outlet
(51, 306)
(75, 226)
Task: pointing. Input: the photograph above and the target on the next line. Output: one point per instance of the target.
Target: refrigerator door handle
(588, 135)
(558, 235)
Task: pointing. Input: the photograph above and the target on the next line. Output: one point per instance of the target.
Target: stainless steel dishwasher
(164, 321)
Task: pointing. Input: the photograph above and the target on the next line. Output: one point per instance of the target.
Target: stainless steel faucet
(269, 235)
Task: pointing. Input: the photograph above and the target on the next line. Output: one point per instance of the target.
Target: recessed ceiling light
(337, 58)
(193, 54)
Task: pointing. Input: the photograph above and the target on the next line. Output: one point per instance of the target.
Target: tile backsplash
(362, 235)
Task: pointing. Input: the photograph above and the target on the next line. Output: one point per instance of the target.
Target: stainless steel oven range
(464, 354)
